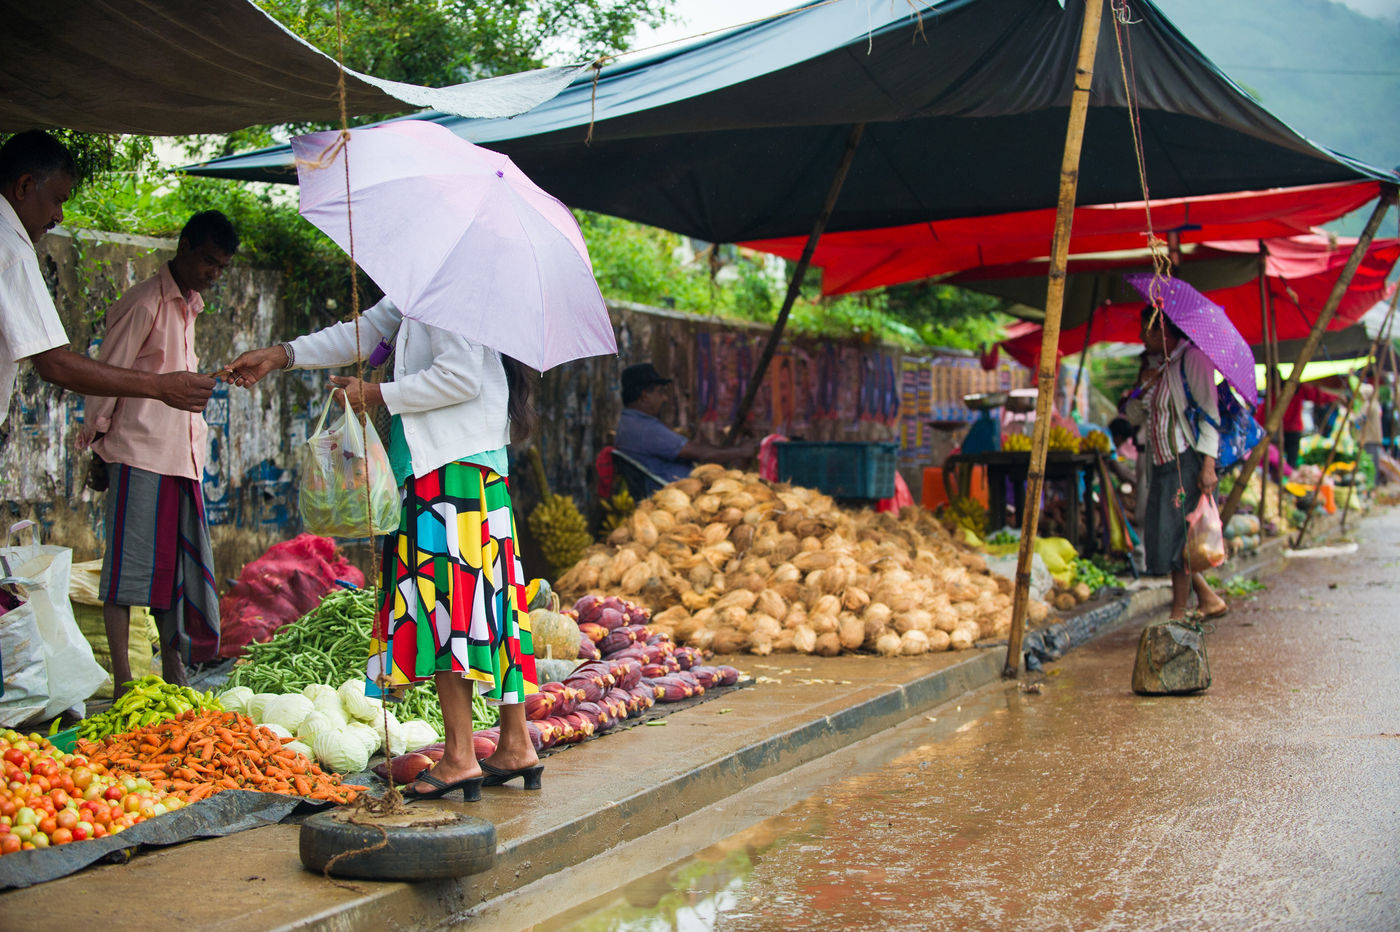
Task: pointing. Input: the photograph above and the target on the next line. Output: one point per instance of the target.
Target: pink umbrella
(458, 237)
(1206, 324)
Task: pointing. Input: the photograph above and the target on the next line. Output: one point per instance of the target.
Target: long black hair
(523, 416)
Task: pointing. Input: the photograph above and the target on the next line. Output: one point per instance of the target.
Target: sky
(701, 15)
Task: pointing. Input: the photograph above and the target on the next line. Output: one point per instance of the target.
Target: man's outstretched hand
(247, 370)
(188, 391)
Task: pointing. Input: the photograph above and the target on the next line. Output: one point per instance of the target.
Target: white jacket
(452, 393)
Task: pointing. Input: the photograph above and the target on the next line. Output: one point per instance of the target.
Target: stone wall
(825, 390)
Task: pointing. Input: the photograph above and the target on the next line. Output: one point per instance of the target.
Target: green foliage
(273, 234)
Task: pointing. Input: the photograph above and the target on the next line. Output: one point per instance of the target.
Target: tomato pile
(53, 798)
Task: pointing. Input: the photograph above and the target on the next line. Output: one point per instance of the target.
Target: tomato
(60, 797)
(80, 833)
(24, 832)
(99, 831)
(25, 816)
(61, 836)
(9, 844)
(67, 819)
(41, 783)
(49, 824)
(40, 840)
(172, 803)
(7, 807)
(113, 793)
(148, 811)
(82, 778)
(93, 791)
(131, 802)
(16, 757)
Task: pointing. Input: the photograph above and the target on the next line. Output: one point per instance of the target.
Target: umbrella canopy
(964, 104)
(859, 260)
(1300, 274)
(1205, 323)
(459, 238)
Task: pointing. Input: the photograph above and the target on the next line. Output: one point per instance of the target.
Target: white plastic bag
(1205, 538)
(339, 460)
(26, 677)
(41, 575)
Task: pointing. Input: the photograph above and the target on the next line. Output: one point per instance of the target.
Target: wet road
(1271, 801)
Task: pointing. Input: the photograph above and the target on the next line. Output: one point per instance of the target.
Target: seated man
(642, 436)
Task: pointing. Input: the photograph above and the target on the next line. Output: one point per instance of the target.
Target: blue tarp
(965, 106)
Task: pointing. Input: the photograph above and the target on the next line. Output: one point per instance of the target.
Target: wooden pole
(1268, 373)
(1358, 252)
(795, 285)
(1050, 334)
(1381, 336)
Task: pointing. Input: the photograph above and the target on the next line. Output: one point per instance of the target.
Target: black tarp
(965, 106)
(162, 67)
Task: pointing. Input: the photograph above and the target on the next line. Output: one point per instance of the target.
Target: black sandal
(470, 787)
(531, 776)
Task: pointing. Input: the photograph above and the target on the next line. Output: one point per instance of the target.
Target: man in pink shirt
(158, 552)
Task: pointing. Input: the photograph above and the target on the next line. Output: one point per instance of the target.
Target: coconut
(760, 644)
(706, 504)
(851, 631)
(877, 611)
(855, 599)
(770, 603)
(729, 641)
(938, 640)
(742, 599)
(715, 532)
(822, 624)
(796, 615)
(961, 638)
(889, 644)
(912, 643)
(827, 605)
(672, 498)
(828, 644)
(804, 639)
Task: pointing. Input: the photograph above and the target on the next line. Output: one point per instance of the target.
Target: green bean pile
(330, 645)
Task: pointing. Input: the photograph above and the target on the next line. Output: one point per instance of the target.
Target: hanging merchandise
(339, 461)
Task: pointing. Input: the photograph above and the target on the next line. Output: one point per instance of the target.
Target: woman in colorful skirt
(452, 603)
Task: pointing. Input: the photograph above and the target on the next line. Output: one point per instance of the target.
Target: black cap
(637, 378)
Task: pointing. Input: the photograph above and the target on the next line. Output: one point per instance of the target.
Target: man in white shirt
(37, 175)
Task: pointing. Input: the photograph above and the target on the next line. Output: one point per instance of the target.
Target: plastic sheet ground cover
(225, 813)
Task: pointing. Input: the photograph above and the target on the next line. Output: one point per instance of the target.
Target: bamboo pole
(794, 285)
(1382, 335)
(1358, 252)
(1050, 333)
(1269, 385)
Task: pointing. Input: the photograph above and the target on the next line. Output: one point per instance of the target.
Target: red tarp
(862, 259)
(1301, 270)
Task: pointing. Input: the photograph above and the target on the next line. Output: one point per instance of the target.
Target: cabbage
(360, 706)
(257, 704)
(316, 725)
(277, 730)
(236, 699)
(342, 751)
(289, 711)
(296, 747)
(373, 742)
(320, 691)
(419, 734)
(330, 704)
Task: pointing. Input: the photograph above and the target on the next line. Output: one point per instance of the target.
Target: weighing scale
(984, 436)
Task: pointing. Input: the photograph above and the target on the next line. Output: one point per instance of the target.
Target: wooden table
(1012, 466)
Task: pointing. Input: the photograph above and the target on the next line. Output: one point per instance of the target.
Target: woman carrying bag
(452, 594)
(1182, 450)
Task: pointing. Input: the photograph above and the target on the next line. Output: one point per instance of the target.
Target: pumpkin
(554, 635)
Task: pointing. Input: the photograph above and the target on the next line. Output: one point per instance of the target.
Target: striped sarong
(158, 555)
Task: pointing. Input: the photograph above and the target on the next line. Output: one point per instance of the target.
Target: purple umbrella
(1206, 324)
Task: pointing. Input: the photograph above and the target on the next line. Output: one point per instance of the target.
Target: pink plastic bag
(1205, 537)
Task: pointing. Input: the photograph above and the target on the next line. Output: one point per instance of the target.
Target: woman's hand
(363, 395)
(247, 370)
(1207, 480)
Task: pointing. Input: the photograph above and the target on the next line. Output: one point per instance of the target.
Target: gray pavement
(1271, 801)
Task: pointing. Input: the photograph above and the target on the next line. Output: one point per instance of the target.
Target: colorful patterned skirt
(453, 591)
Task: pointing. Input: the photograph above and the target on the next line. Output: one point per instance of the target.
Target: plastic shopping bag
(339, 461)
(39, 575)
(1205, 537)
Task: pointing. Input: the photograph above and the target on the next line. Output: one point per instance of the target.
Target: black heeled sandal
(531, 775)
(470, 787)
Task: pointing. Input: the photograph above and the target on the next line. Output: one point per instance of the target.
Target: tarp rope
(1157, 247)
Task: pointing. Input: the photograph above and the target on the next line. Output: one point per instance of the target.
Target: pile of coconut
(729, 562)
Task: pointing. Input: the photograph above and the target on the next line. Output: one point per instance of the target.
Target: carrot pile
(202, 752)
